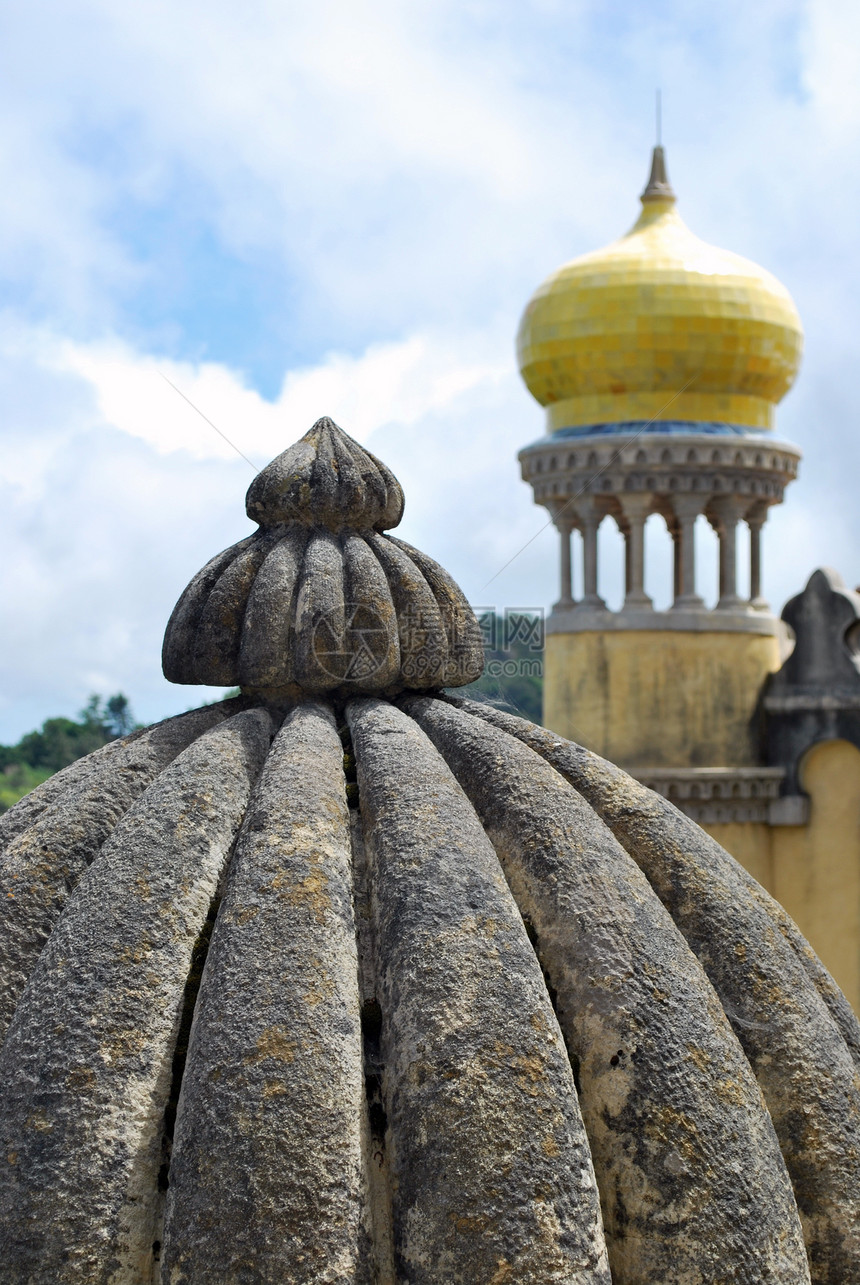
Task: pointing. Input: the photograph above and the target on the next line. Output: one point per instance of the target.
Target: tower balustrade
(727, 476)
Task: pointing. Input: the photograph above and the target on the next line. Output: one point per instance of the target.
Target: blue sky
(342, 208)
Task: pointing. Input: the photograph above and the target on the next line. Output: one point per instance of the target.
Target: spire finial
(658, 187)
(659, 118)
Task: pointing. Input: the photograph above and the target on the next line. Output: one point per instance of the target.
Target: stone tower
(660, 361)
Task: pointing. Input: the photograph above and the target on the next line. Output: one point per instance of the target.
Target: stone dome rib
(42, 864)
(86, 1060)
(797, 1030)
(277, 1036)
(666, 1053)
(380, 986)
(488, 1153)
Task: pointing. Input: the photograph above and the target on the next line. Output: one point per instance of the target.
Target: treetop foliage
(513, 657)
(61, 741)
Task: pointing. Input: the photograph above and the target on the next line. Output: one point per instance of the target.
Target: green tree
(61, 741)
(19, 779)
(513, 664)
(118, 716)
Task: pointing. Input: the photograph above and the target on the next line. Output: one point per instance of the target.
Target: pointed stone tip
(326, 479)
(658, 187)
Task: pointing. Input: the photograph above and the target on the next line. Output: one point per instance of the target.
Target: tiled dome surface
(660, 325)
(349, 988)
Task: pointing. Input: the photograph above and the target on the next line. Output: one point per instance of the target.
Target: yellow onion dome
(660, 326)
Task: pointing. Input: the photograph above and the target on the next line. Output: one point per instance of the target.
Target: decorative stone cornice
(714, 795)
(579, 618)
(611, 465)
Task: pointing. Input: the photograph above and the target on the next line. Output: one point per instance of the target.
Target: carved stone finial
(326, 479)
(821, 617)
(319, 600)
(815, 696)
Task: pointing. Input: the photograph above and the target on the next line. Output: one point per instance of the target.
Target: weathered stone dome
(333, 987)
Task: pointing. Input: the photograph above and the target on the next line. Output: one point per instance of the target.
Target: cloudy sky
(291, 209)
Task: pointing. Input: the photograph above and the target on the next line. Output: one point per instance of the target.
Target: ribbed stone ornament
(328, 480)
(319, 599)
(374, 984)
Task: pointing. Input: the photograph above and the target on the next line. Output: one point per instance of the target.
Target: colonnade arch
(683, 518)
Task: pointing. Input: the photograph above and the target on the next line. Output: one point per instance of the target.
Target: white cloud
(123, 492)
(332, 136)
(411, 172)
(833, 40)
(110, 511)
(164, 402)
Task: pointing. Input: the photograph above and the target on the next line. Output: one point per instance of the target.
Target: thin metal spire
(659, 118)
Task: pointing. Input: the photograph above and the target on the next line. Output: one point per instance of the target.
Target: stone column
(591, 517)
(687, 509)
(755, 520)
(728, 510)
(636, 507)
(565, 602)
(675, 533)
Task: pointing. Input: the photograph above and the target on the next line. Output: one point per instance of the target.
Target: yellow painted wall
(749, 843)
(658, 698)
(814, 870)
(663, 699)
